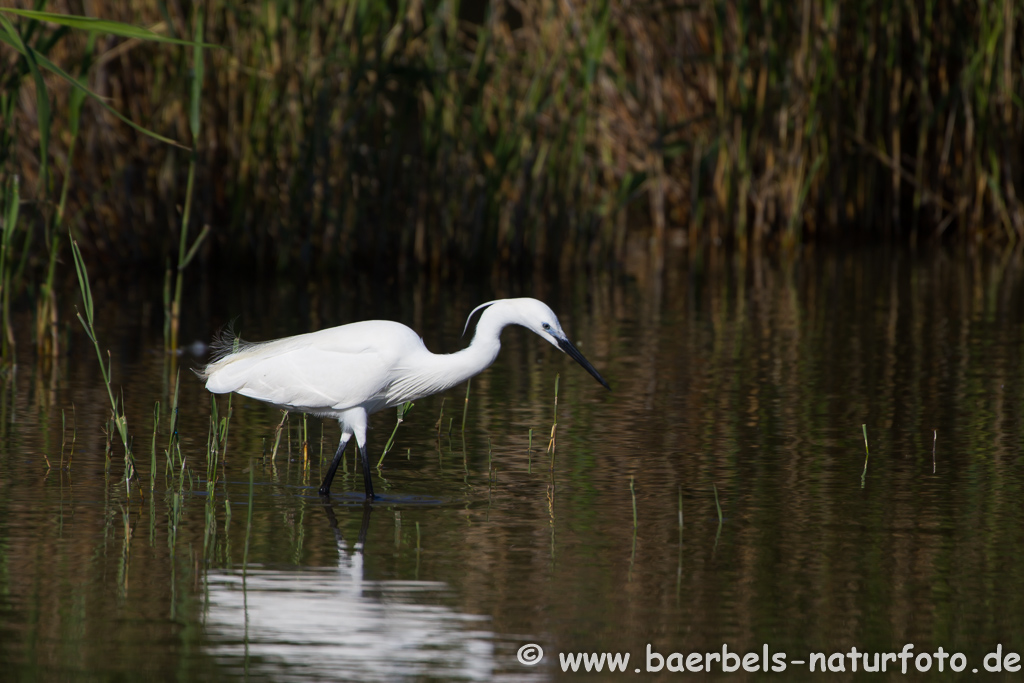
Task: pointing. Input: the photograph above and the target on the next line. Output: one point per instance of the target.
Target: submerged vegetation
(748, 388)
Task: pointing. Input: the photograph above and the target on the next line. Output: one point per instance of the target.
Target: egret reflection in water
(332, 623)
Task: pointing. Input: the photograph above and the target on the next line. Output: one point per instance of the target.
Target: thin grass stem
(867, 455)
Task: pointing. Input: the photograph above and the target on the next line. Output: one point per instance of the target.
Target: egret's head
(537, 316)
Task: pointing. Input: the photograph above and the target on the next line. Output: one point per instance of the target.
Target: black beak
(575, 354)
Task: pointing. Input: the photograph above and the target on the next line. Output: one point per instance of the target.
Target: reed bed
(469, 136)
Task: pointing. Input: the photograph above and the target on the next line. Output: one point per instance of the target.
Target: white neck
(483, 350)
(440, 371)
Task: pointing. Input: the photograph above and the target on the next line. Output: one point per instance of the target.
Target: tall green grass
(172, 312)
(34, 35)
(118, 419)
(458, 136)
(445, 133)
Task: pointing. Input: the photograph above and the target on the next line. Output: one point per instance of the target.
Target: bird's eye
(547, 327)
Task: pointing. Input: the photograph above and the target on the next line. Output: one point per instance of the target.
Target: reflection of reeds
(740, 383)
(632, 493)
(152, 452)
(174, 440)
(248, 518)
(10, 206)
(554, 425)
(216, 454)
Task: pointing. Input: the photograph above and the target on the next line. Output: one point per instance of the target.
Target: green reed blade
(115, 28)
(12, 36)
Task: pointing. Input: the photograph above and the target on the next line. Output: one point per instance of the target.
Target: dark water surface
(746, 386)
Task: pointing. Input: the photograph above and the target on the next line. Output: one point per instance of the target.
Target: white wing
(321, 372)
(310, 379)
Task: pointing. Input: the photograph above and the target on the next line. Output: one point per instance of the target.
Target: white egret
(350, 372)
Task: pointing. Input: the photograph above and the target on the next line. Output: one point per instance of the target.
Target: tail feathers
(227, 375)
(224, 345)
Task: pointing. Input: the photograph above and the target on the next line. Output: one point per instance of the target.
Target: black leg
(361, 543)
(325, 487)
(366, 473)
(332, 520)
